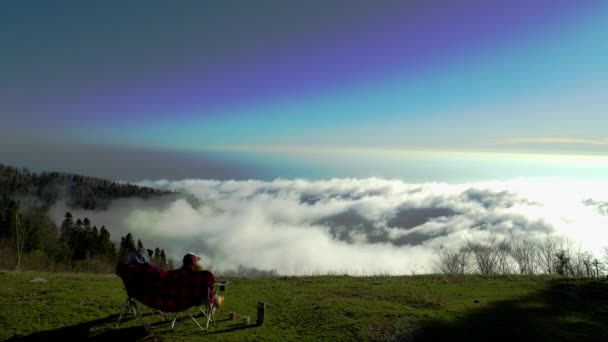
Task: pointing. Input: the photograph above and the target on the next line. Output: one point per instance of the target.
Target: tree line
(157, 256)
(79, 247)
(78, 191)
(550, 255)
(29, 239)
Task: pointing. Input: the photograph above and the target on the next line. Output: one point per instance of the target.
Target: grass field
(334, 308)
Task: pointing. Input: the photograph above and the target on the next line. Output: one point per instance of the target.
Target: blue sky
(246, 87)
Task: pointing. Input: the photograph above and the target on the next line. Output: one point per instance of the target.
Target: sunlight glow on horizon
(479, 83)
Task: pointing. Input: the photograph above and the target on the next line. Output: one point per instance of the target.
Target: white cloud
(547, 140)
(355, 226)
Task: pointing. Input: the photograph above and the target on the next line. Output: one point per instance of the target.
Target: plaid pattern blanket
(169, 291)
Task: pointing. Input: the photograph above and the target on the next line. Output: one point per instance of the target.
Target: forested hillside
(78, 191)
(29, 239)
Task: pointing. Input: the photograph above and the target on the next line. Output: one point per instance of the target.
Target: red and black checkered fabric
(169, 291)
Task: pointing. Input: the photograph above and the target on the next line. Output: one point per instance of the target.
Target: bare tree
(453, 261)
(504, 262)
(485, 256)
(579, 262)
(525, 254)
(598, 267)
(586, 261)
(546, 255)
(22, 234)
(550, 256)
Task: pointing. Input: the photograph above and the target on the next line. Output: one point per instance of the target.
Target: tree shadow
(570, 310)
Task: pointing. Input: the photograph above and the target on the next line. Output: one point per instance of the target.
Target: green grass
(333, 308)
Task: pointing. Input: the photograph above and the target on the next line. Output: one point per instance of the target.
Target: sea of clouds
(352, 226)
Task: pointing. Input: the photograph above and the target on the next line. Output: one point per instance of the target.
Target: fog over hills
(354, 226)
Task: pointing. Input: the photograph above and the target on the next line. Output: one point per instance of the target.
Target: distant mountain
(77, 190)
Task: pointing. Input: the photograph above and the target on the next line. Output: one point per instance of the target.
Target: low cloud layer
(354, 226)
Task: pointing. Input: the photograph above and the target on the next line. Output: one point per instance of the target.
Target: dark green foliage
(77, 244)
(156, 257)
(127, 246)
(159, 258)
(94, 241)
(9, 218)
(106, 247)
(47, 232)
(163, 259)
(27, 235)
(68, 239)
(18, 231)
(79, 241)
(562, 262)
(81, 191)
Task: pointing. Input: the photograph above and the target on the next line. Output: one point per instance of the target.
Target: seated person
(190, 262)
(140, 257)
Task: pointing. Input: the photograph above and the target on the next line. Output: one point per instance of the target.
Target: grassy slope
(428, 307)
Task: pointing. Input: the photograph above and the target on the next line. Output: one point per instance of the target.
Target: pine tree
(29, 235)
(106, 246)
(67, 238)
(163, 259)
(89, 239)
(46, 233)
(127, 246)
(6, 218)
(95, 247)
(66, 226)
(156, 258)
(79, 248)
(9, 219)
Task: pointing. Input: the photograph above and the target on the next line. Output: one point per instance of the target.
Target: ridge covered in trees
(79, 191)
(29, 239)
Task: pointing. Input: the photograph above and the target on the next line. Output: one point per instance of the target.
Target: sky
(268, 89)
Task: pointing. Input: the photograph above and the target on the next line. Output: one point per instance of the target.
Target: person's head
(139, 256)
(191, 261)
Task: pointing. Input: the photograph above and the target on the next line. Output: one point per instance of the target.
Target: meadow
(78, 306)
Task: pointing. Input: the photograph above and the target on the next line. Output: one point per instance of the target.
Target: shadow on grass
(233, 327)
(82, 331)
(569, 310)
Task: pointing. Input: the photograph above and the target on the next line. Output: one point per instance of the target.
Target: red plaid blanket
(169, 291)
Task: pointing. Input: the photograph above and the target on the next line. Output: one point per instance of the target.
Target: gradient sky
(224, 81)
